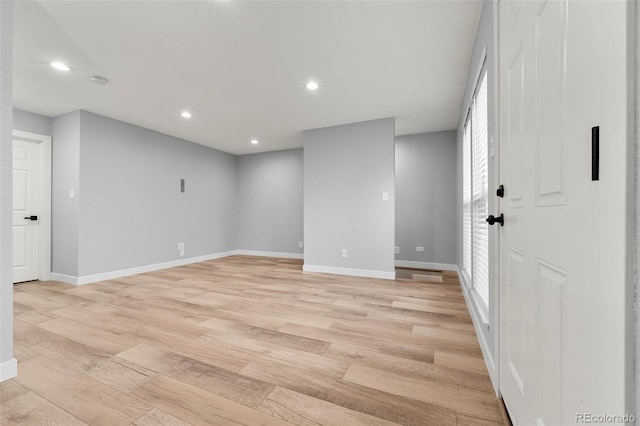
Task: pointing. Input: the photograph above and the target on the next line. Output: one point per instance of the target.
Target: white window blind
(466, 198)
(475, 199)
(480, 177)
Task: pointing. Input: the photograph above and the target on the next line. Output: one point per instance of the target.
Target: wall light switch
(397, 250)
(343, 253)
(385, 196)
(72, 193)
(420, 249)
(300, 244)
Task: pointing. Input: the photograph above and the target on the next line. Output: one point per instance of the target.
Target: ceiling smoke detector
(99, 80)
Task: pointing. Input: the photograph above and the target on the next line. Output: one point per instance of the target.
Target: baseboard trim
(425, 265)
(271, 254)
(89, 279)
(350, 271)
(8, 369)
(482, 330)
(68, 279)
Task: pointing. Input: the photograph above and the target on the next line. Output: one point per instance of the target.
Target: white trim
(68, 279)
(478, 74)
(271, 254)
(425, 265)
(474, 298)
(482, 331)
(89, 279)
(44, 222)
(8, 369)
(350, 271)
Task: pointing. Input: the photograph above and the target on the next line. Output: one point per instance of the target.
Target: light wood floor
(247, 341)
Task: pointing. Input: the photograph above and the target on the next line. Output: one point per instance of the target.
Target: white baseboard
(350, 271)
(68, 279)
(425, 265)
(88, 279)
(271, 254)
(482, 331)
(8, 369)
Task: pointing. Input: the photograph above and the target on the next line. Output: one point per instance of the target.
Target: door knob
(31, 217)
(492, 219)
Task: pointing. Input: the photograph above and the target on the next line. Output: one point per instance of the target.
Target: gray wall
(129, 210)
(484, 40)
(426, 197)
(346, 169)
(270, 201)
(6, 232)
(31, 122)
(65, 176)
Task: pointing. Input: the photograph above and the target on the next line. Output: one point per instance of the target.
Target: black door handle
(492, 219)
(31, 217)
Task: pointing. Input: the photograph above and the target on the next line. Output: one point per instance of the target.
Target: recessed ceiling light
(60, 66)
(185, 114)
(312, 85)
(255, 141)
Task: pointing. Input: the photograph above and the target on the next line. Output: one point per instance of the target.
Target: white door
(564, 273)
(27, 197)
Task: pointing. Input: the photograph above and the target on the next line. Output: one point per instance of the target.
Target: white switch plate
(343, 253)
(420, 249)
(397, 250)
(385, 196)
(300, 244)
(180, 246)
(72, 193)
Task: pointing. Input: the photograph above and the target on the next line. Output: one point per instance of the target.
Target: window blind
(466, 198)
(480, 204)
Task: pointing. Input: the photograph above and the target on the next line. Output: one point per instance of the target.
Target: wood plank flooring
(247, 341)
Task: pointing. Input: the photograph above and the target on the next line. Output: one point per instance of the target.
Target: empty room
(235, 212)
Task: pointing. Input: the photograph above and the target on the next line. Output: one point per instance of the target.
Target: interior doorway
(31, 206)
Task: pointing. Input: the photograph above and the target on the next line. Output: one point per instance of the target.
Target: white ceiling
(241, 67)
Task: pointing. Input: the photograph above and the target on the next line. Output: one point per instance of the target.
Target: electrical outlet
(343, 253)
(300, 244)
(397, 250)
(180, 246)
(420, 249)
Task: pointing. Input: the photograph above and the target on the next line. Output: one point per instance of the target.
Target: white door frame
(44, 215)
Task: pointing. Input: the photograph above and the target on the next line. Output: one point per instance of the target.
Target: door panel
(514, 119)
(550, 285)
(26, 202)
(550, 143)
